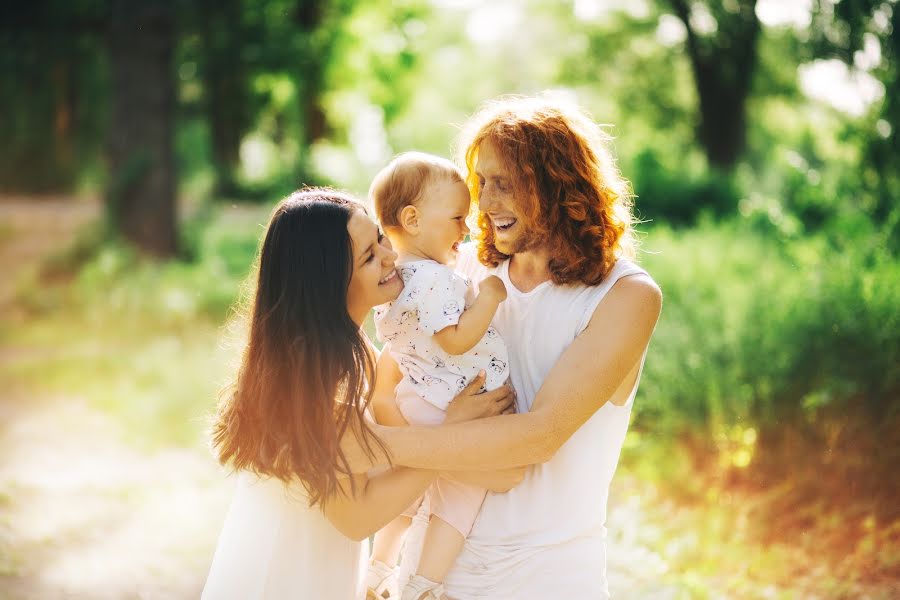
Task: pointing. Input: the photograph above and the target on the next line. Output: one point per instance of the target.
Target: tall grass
(775, 368)
(142, 340)
(761, 332)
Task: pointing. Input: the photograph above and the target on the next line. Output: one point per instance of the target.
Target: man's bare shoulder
(639, 286)
(636, 298)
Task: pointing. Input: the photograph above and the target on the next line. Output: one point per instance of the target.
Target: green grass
(160, 384)
(141, 340)
(774, 378)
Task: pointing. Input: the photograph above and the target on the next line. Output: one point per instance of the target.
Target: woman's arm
(378, 500)
(387, 376)
(585, 377)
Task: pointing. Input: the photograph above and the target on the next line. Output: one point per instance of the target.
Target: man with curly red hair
(556, 227)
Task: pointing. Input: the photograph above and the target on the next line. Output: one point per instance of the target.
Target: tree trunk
(308, 16)
(723, 122)
(723, 65)
(141, 194)
(225, 78)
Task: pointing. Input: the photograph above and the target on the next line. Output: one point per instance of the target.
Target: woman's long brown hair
(306, 374)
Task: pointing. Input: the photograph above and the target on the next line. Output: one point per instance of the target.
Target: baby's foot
(381, 582)
(420, 588)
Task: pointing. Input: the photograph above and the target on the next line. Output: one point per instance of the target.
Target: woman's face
(374, 280)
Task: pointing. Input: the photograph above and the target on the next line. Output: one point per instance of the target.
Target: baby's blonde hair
(404, 181)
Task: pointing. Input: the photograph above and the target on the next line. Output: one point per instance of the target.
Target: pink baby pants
(455, 503)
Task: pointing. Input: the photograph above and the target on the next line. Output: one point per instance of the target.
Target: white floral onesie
(433, 298)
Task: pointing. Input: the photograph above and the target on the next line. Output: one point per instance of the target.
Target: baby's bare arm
(474, 322)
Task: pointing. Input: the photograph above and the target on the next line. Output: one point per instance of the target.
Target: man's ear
(409, 219)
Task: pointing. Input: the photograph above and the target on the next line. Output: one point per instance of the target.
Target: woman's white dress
(275, 546)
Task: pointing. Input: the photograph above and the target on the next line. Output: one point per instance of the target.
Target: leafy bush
(775, 368)
(761, 332)
(113, 282)
(142, 340)
(678, 197)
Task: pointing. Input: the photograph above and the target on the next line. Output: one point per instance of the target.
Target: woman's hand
(470, 404)
(496, 481)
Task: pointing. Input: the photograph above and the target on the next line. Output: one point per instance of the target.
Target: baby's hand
(493, 285)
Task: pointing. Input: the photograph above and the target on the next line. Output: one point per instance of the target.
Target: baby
(440, 337)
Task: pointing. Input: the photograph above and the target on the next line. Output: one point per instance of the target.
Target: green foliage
(115, 282)
(760, 332)
(679, 198)
(142, 340)
(829, 340)
(776, 367)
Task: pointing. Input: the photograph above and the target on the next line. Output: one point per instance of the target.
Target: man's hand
(469, 404)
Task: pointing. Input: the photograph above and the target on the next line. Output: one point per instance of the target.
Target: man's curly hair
(565, 182)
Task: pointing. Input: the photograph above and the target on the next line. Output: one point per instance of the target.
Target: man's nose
(485, 200)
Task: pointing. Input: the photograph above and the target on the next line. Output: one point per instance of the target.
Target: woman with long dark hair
(307, 375)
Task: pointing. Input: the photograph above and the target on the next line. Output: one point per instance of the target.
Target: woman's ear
(409, 219)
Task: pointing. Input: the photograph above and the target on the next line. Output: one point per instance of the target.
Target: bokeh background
(143, 144)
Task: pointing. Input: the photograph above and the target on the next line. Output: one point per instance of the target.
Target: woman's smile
(389, 278)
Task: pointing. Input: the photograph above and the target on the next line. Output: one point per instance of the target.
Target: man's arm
(387, 413)
(500, 481)
(586, 376)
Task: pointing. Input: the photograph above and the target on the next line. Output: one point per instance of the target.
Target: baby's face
(442, 214)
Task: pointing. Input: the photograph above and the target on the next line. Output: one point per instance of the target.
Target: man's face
(496, 200)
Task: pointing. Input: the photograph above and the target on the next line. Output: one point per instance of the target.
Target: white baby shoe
(420, 588)
(381, 582)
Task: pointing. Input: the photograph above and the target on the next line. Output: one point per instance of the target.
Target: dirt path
(84, 515)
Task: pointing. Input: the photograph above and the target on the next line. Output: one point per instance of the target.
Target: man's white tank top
(546, 537)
